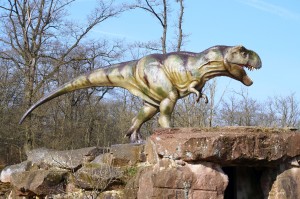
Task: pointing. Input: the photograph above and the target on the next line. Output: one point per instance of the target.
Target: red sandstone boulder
(194, 181)
(127, 154)
(226, 146)
(283, 183)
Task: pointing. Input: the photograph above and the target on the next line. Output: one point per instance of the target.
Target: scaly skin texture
(161, 79)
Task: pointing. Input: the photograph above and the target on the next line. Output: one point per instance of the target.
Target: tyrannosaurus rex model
(161, 79)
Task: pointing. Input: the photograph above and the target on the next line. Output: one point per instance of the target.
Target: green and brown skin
(161, 79)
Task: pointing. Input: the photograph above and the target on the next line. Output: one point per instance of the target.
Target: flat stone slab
(69, 159)
(227, 146)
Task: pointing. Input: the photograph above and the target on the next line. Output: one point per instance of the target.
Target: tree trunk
(30, 71)
(165, 28)
(180, 21)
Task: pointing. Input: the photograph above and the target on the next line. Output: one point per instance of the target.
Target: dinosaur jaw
(237, 59)
(238, 72)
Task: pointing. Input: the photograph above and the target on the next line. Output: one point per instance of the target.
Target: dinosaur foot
(135, 137)
(202, 96)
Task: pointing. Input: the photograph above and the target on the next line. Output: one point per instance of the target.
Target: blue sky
(271, 28)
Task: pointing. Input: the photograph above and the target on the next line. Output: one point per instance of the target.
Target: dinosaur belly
(152, 79)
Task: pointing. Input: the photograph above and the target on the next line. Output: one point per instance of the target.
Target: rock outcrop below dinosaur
(183, 163)
(228, 146)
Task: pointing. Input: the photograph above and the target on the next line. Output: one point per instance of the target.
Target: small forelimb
(199, 95)
(192, 89)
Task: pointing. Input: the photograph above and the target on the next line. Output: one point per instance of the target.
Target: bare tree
(268, 116)
(247, 109)
(241, 110)
(30, 27)
(287, 110)
(180, 22)
(228, 111)
(212, 92)
(162, 11)
(10, 98)
(152, 7)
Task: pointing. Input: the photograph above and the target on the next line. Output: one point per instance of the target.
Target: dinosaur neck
(211, 70)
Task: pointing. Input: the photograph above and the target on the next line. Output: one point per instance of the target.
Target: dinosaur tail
(96, 78)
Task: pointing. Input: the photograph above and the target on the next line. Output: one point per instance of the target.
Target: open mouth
(242, 75)
(249, 67)
(238, 59)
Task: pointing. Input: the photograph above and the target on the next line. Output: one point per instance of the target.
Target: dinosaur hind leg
(145, 113)
(166, 108)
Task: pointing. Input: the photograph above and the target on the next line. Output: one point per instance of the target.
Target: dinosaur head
(236, 59)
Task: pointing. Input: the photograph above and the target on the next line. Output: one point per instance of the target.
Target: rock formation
(182, 163)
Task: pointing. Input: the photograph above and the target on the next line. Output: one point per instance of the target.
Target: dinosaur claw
(134, 136)
(202, 96)
(140, 141)
(205, 98)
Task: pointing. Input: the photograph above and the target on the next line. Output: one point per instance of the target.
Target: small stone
(9, 170)
(39, 182)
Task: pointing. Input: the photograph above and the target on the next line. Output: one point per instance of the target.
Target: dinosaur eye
(244, 54)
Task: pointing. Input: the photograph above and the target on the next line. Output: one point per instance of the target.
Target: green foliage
(129, 173)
